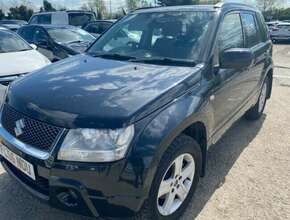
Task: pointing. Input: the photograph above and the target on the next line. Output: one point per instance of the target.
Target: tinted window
(98, 28)
(251, 32)
(263, 28)
(177, 35)
(231, 33)
(26, 33)
(67, 35)
(10, 42)
(44, 19)
(33, 20)
(41, 19)
(80, 19)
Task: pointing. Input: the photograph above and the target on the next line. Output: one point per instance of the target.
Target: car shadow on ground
(16, 204)
(221, 158)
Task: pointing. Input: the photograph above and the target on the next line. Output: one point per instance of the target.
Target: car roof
(64, 11)
(219, 6)
(12, 20)
(52, 26)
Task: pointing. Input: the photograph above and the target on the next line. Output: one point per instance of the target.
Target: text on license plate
(18, 162)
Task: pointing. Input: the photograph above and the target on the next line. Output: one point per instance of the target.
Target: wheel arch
(270, 75)
(198, 132)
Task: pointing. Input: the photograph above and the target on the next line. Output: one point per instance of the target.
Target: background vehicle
(75, 18)
(12, 25)
(57, 41)
(98, 27)
(17, 57)
(280, 32)
(130, 124)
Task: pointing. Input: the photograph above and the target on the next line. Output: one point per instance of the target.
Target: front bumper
(99, 189)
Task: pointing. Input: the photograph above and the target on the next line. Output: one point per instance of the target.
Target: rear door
(255, 41)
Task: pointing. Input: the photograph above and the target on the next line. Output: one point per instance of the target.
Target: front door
(228, 93)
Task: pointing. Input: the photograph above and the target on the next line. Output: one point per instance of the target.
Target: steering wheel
(133, 44)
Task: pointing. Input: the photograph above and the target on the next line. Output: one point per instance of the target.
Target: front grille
(34, 133)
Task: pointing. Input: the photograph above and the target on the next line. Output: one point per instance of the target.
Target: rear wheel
(257, 111)
(175, 181)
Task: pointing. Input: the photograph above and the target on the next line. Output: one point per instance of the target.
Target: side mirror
(34, 47)
(236, 58)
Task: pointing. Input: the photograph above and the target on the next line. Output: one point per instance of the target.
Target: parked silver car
(280, 32)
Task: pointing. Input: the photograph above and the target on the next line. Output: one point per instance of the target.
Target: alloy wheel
(263, 97)
(176, 184)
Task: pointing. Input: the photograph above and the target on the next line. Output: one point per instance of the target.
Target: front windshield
(9, 42)
(172, 35)
(72, 35)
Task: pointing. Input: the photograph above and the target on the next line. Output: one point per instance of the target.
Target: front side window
(157, 35)
(34, 20)
(251, 31)
(44, 19)
(10, 42)
(231, 33)
(67, 35)
(80, 19)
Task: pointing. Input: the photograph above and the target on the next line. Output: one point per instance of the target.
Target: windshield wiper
(23, 50)
(165, 61)
(75, 42)
(114, 56)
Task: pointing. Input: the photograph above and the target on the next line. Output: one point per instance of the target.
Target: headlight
(3, 98)
(93, 145)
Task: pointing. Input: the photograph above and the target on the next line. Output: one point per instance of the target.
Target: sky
(70, 4)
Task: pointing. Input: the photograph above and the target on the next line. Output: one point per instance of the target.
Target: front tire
(257, 111)
(175, 181)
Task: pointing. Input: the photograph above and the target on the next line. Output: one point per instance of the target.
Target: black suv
(124, 129)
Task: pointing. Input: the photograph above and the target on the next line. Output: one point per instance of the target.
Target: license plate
(18, 162)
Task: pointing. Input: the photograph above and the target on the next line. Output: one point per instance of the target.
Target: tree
(21, 13)
(2, 15)
(47, 6)
(132, 4)
(97, 6)
(177, 2)
(266, 5)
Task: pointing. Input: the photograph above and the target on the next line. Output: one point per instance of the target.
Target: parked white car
(17, 57)
(71, 17)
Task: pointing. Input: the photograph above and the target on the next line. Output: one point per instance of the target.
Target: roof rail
(228, 4)
(147, 7)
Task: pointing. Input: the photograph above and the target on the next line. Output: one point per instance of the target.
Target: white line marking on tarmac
(282, 77)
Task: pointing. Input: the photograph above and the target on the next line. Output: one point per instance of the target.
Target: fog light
(68, 198)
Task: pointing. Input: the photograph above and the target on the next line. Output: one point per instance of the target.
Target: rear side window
(251, 31)
(231, 33)
(26, 33)
(80, 19)
(263, 27)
